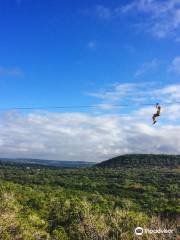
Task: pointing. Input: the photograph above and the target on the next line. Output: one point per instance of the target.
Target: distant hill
(48, 163)
(141, 160)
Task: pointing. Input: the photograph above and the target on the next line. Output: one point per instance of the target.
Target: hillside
(141, 160)
(41, 202)
(45, 162)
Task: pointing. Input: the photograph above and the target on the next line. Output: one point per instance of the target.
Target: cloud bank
(93, 136)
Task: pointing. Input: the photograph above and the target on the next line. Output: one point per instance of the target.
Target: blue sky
(87, 52)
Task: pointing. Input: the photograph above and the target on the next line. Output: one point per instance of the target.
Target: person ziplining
(157, 114)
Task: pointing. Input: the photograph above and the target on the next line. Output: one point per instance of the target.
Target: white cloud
(13, 71)
(147, 67)
(126, 93)
(170, 93)
(78, 136)
(92, 44)
(117, 92)
(175, 65)
(139, 93)
(19, 2)
(103, 12)
(177, 39)
(162, 17)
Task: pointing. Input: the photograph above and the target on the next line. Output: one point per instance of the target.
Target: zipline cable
(87, 106)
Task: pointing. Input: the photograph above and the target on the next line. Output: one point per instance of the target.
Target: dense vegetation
(93, 203)
(142, 160)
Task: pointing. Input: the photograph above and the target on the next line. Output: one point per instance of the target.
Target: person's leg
(154, 118)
